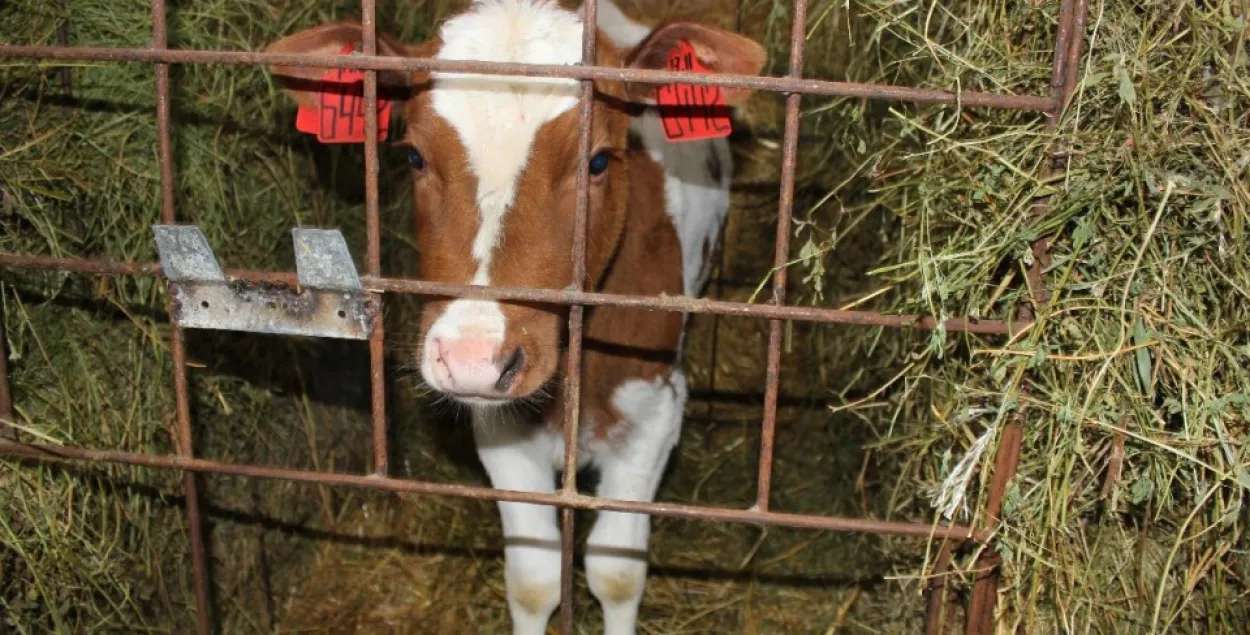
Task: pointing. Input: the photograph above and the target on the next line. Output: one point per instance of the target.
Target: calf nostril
(510, 369)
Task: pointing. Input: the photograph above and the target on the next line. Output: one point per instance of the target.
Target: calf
(494, 192)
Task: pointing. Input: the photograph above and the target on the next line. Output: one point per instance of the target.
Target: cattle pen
(946, 542)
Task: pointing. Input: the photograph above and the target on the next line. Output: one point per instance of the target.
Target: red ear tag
(340, 113)
(689, 112)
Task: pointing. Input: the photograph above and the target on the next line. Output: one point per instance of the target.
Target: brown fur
(626, 343)
(534, 244)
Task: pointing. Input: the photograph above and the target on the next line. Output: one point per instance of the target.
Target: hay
(1136, 373)
(104, 549)
(1134, 379)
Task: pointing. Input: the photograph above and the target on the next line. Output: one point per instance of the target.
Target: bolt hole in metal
(342, 314)
(204, 304)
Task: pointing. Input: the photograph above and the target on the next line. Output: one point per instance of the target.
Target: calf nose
(470, 366)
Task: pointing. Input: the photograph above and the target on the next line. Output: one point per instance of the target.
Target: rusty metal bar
(1066, 64)
(189, 484)
(984, 594)
(1072, 66)
(1069, 42)
(177, 341)
(575, 501)
(165, 145)
(553, 296)
(373, 242)
(768, 84)
(781, 256)
(577, 314)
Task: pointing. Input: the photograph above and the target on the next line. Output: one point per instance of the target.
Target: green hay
(1144, 346)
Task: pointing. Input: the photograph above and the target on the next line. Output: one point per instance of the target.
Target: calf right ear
(719, 51)
(301, 82)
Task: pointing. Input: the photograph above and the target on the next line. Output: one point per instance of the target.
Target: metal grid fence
(1069, 41)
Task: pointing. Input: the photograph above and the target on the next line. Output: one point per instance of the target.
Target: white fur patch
(651, 405)
(462, 318)
(623, 32)
(498, 117)
(693, 198)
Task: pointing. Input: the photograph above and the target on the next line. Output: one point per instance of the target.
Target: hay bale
(1133, 382)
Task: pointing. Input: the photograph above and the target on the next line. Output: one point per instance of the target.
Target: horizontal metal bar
(556, 296)
(572, 501)
(410, 64)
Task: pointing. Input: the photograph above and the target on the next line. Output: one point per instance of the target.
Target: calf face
(494, 162)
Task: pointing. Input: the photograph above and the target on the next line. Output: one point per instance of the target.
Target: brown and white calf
(493, 170)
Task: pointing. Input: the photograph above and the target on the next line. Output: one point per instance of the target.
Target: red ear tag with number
(340, 113)
(689, 112)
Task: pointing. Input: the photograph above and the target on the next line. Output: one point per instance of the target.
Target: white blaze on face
(497, 119)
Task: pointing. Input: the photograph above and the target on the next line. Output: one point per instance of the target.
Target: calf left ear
(302, 83)
(718, 51)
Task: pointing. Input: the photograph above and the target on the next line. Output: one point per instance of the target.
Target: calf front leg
(518, 457)
(616, 551)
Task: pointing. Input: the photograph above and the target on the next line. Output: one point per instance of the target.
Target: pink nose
(469, 367)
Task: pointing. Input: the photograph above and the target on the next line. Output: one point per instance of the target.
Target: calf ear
(718, 51)
(330, 39)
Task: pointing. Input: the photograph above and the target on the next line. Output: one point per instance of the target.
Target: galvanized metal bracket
(328, 302)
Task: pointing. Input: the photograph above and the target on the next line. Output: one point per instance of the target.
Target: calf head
(494, 170)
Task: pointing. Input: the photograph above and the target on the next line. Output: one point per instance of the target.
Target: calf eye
(415, 158)
(599, 163)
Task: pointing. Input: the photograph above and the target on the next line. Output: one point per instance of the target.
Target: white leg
(518, 457)
(616, 552)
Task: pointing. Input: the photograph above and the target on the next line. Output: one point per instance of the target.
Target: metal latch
(329, 301)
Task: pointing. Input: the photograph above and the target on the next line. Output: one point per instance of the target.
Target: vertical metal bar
(984, 594)
(1069, 42)
(177, 343)
(785, 211)
(1063, 42)
(160, 40)
(1076, 49)
(190, 485)
(573, 372)
(373, 239)
(985, 588)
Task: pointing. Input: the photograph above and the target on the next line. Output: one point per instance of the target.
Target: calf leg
(518, 457)
(616, 551)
